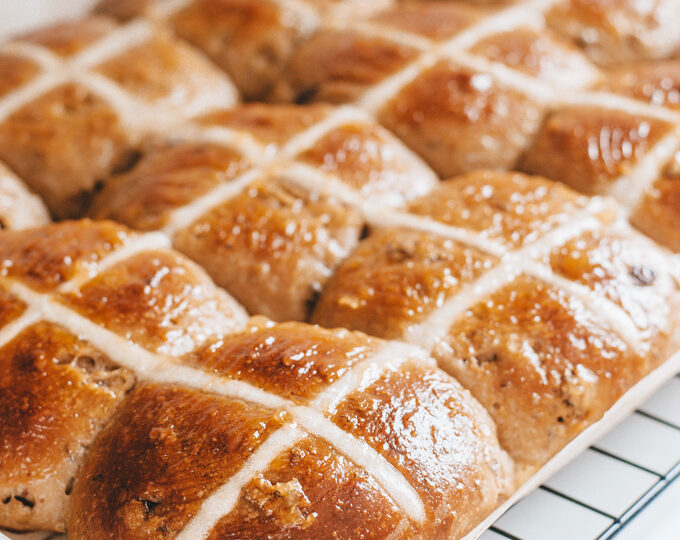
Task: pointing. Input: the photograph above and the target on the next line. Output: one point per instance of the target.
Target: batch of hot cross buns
(326, 268)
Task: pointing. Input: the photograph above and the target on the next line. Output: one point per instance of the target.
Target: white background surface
(16, 15)
(660, 521)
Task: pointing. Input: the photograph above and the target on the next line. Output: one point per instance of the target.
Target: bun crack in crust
(78, 97)
(544, 304)
(141, 403)
(268, 199)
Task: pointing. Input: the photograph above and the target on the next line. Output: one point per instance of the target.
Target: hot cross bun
(137, 401)
(269, 199)
(470, 87)
(482, 322)
(79, 96)
(543, 303)
(86, 308)
(250, 40)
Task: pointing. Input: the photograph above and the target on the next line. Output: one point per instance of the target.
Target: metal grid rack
(611, 490)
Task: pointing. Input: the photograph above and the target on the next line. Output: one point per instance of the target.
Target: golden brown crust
(338, 66)
(539, 54)
(268, 124)
(56, 393)
(274, 241)
(45, 258)
(422, 409)
(658, 214)
(590, 148)
(95, 98)
(168, 177)
(58, 387)
(359, 154)
(405, 275)
(436, 21)
(309, 492)
(252, 41)
(484, 99)
(160, 70)
(620, 267)
(10, 307)
(509, 208)
(615, 31)
(386, 445)
(544, 367)
(395, 278)
(175, 301)
(460, 120)
(68, 133)
(47, 140)
(655, 82)
(292, 360)
(15, 72)
(170, 448)
(157, 300)
(539, 355)
(281, 244)
(414, 418)
(167, 450)
(122, 9)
